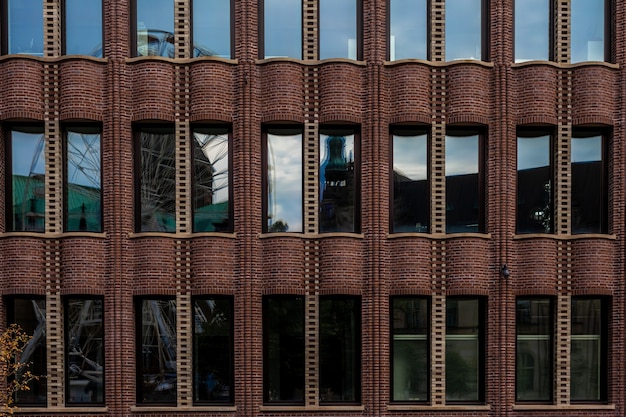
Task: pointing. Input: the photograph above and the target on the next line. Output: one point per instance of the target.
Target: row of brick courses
(593, 266)
(409, 89)
(594, 94)
(83, 265)
(153, 265)
(282, 91)
(81, 89)
(468, 90)
(535, 89)
(283, 265)
(21, 82)
(534, 268)
(148, 102)
(342, 263)
(468, 266)
(341, 87)
(212, 87)
(212, 262)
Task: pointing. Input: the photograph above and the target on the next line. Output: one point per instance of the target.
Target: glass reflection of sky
(27, 153)
(587, 149)
(461, 155)
(25, 32)
(83, 165)
(532, 30)
(587, 30)
(211, 26)
(284, 180)
(215, 148)
(410, 156)
(337, 29)
(83, 27)
(533, 152)
(408, 29)
(463, 29)
(155, 15)
(283, 28)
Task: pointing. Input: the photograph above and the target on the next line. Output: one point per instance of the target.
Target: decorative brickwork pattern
(562, 39)
(438, 152)
(438, 324)
(438, 30)
(563, 322)
(52, 27)
(184, 333)
(54, 326)
(310, 50)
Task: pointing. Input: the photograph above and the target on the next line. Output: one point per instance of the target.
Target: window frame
(64, 27)
(359, 32)
(551, 31)
(232, 29)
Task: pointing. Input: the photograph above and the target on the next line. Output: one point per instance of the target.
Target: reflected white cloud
(587, 149)
(284, 180)
(461, 155)
(410, 156)
(533, 152)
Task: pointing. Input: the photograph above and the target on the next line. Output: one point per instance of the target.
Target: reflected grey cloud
(533, 152)
(461, 155)
(284, 174)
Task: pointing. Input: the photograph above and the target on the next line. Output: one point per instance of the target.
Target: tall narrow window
(464, 29)
(411, 208)
(410, 349)
(284, 179)
(533, 20)
(154, 31)
(84, 341)
(282, 28)
(535, 187)
(83, 27)
(157, 177)
(84, 179)
(30, 315)
(339, 190)
(26, 185)
(408, 29)
(588, 30)
(535, 329)
(464, 356)
(589, 195)
(284, 349)
(211, 186)
(156, 351)
(25, 27)
(589, 349)
(338, 29)
(212, 350)
(464, 182)
(212, 31)
(339, 349)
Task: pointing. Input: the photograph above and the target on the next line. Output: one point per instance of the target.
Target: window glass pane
(212, 350)
(587, 350)
(28, 179)
(408, 29)
(211, 28)
(211, 183)
(463, 29)
(410, 349)
(155, 28)
(84, 178)
(284, 349)
(463, 360)
(338, 192)
(534, 184)
(463, 193)
(30, 315)
(157, 352)
(534, 350)
(588, 195)
(532, 30)
(283, 28)
(410, 183)
(25, 31)
(337, 29)
(83, 27)
(158, 181)
(85, 351)
(340, 344)
(588, 30)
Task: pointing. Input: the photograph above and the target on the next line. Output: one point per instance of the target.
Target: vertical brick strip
(311, 275)
(563, 323)
(438, 324)
(184, 334)
(562, 36)
(52, 28)
(438, 31)
(309, 29)
(54, 326)
(438, 152)
(182, 23)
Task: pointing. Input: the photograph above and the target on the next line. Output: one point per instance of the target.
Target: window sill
(59, 410)
(44, 235)
(555, 407)
(485, 64)
(173, 235)
(468, 407)
(174, 408)
(563, 237)
(304, 408)
(136, 59)
(441, 236)
(564, 65)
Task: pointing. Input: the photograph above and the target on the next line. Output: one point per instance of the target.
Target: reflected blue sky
(408, 29)
(83, 159)
(27, 153)
(532, 30)
(284, 182)
(25, 32)
(410, 156)
(337, 29)
(461, 155)
(533, 152)
(83, 27)
(283, 28)
(463, 29)
(587, 30)
(587, 149)
(211, 26)
(156, 15)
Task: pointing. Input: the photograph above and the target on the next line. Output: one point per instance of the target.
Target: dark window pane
(85, 351)
(211, 211)
(463, 29)
(30, 315)
(338, 190)
(588, 30)
(284, 349)
(283, 28)
(83, 27)
(155, 28)
(28, 179)
(156, 373)
(84, 178)
(534, 184)
(534, 350)
(588, 184)
(158, 181)
(212, 350)
(463, 184)
(411, 207)
(408, 29)
(532, 30)
(211, 28)
(410, 360)
(25, 31)
(337, 29)
(340, 344)
(588, 348)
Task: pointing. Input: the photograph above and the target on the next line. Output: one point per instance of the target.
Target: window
(30, 314)
(410, 349)
(82, 20)
(533, 30)
(464, 181)
(589, 30)
(339, 188)
(83, 165)
(411, 189)
(212, 350)
(284, 349)
(212, 32)
(589, 349)
(26, 185)
(464, 349)
(156, 351)
(282, 28)
(154, 31)
(339, 27)
(212, 211)
(157, 178)
(84, 341)
(589, 184)
(284, 179)
(24, 27)
(535, 329)
(408, 29)
(464, 29)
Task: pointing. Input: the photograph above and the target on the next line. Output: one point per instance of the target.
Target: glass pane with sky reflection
(155, 28)
(337, 29)
(532, 30)
(25, 31)
(28, 179)
(211, 28)
(408, 29)
(587, 30)
(588, 197)
(410, 182)
(83, 27)
(463, 205)
(283, 28)
(463, 29)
